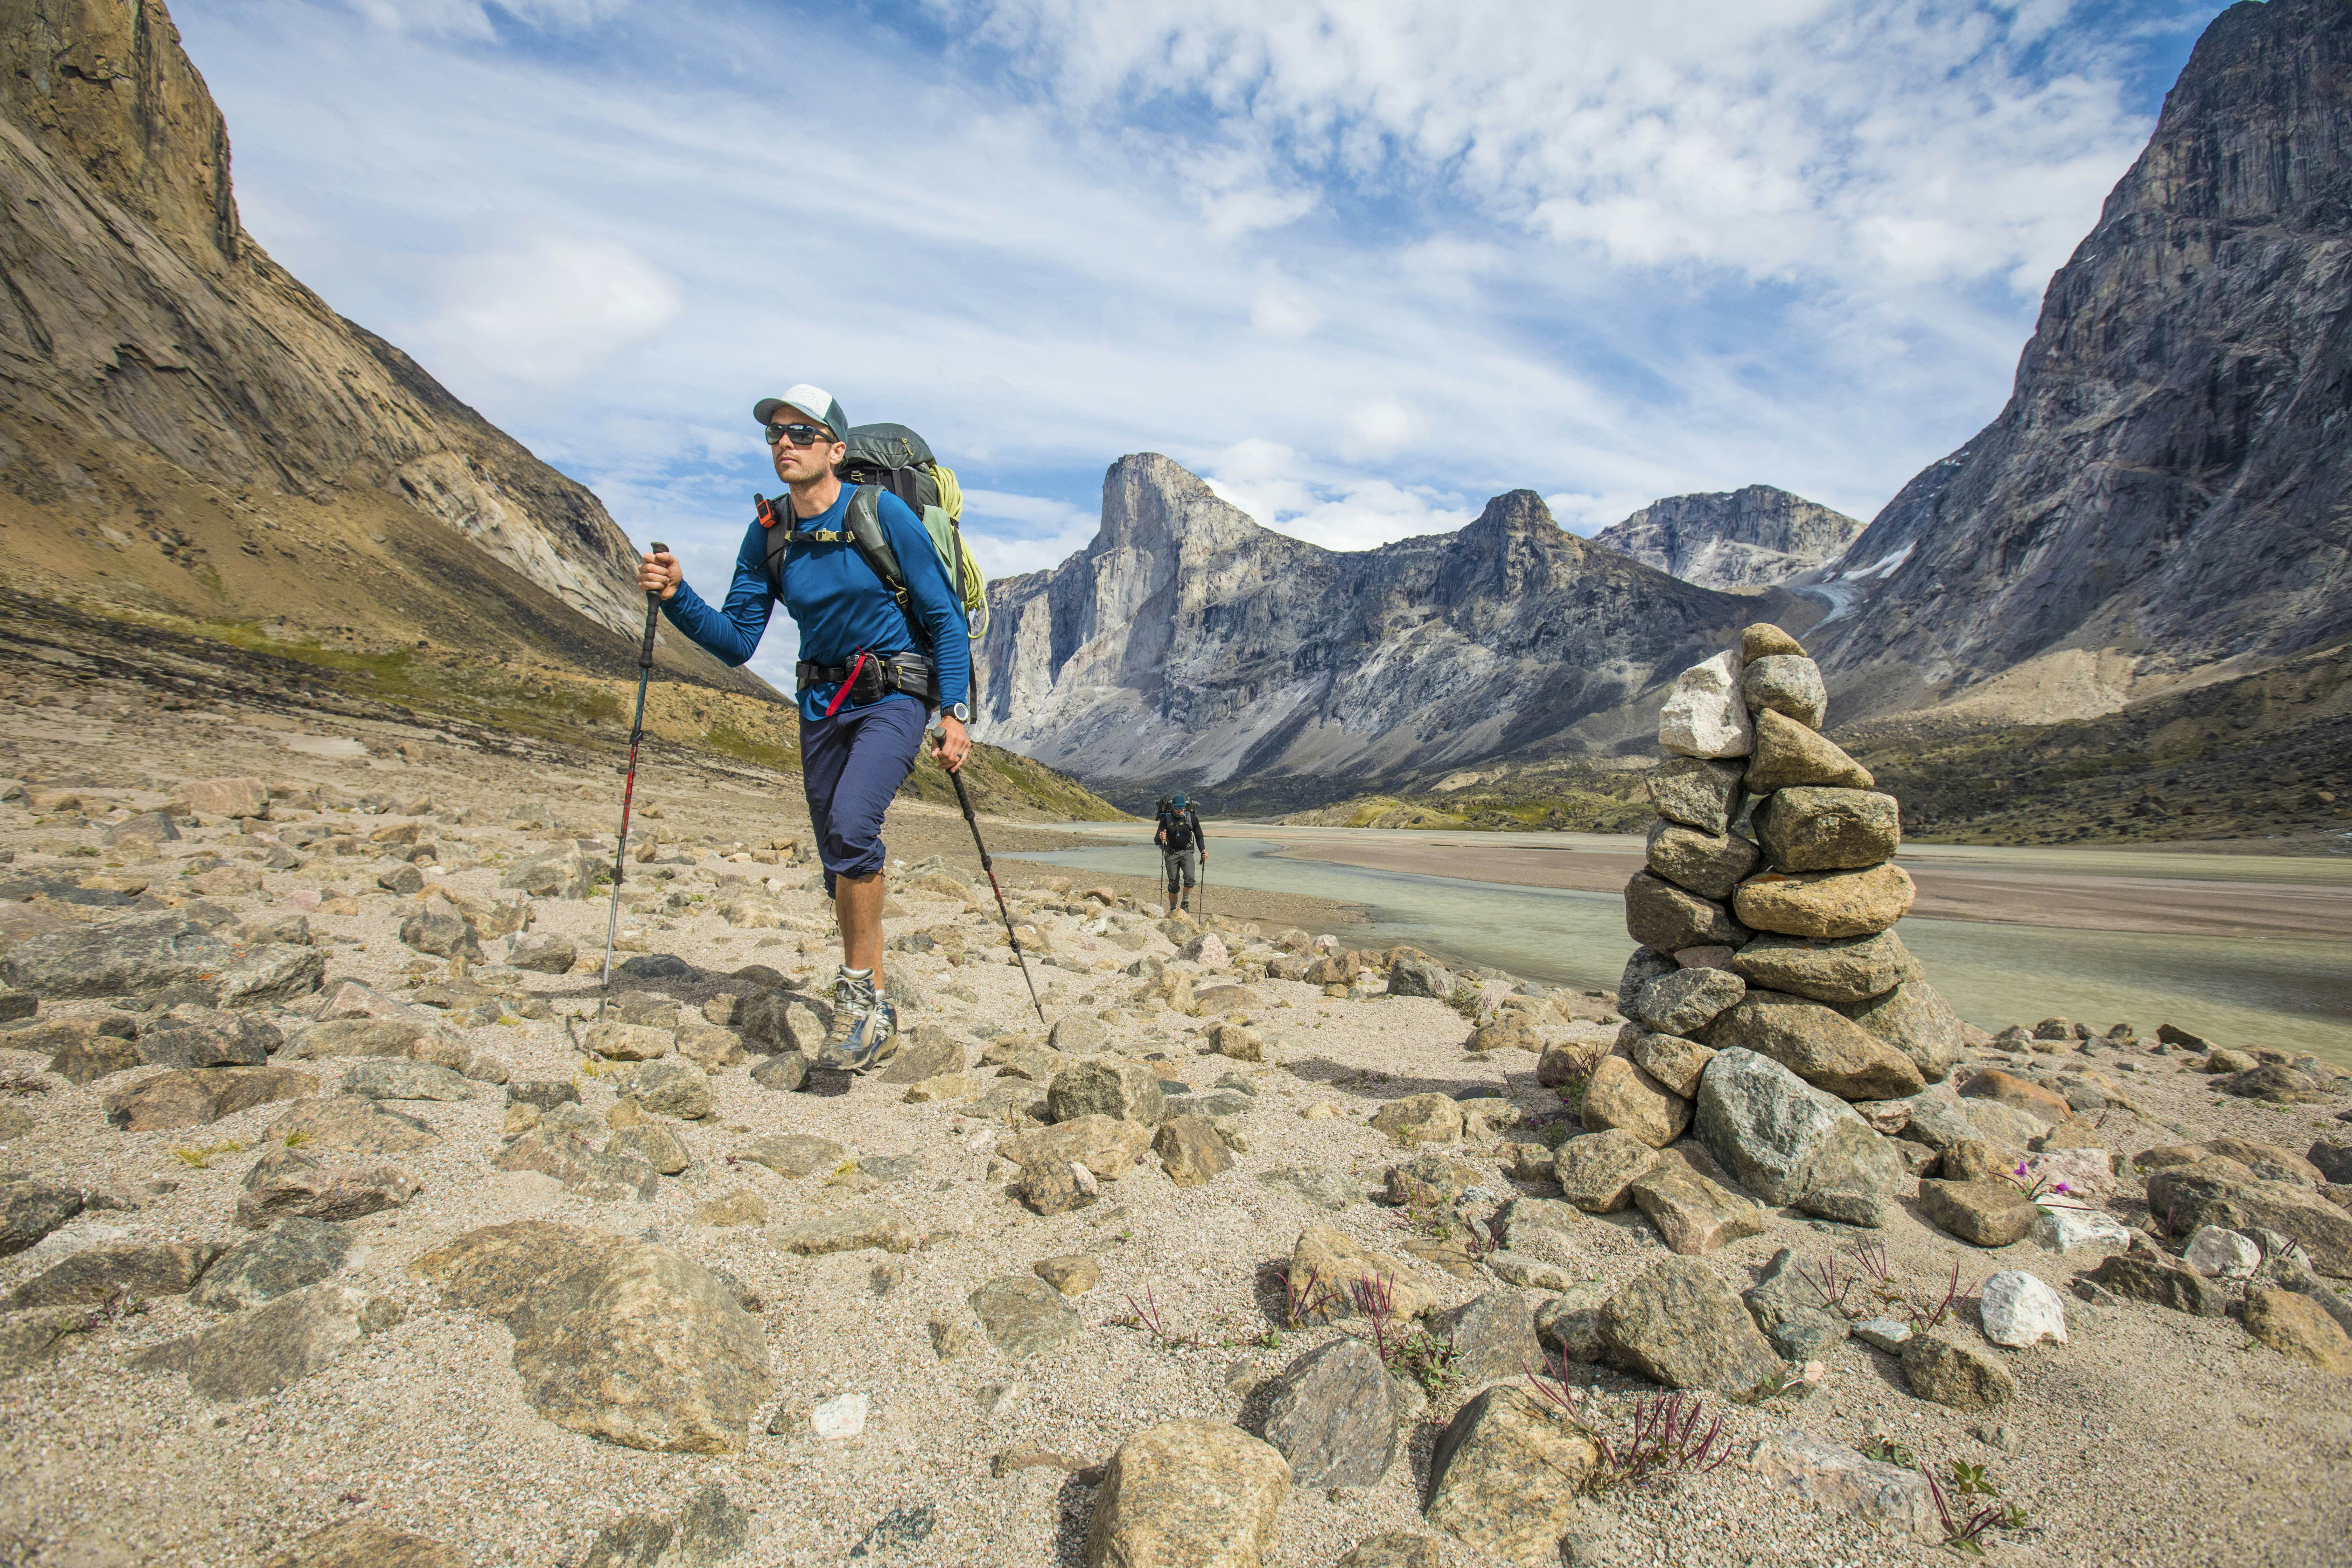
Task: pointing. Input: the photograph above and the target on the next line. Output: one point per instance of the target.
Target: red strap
(841, 696)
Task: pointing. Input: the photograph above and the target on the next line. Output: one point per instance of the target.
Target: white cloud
(1013, 533)
(552, 309)
(1798, 138)
(1363, 264)
(1283, 491)
(1282, 312)
(472, 18)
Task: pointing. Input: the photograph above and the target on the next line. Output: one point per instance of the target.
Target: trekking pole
(963, 798)
(629, 788)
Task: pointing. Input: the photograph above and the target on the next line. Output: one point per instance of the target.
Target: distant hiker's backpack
(893, 457)
(1178, 827)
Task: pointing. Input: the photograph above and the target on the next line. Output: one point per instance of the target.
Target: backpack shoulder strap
(865, 525)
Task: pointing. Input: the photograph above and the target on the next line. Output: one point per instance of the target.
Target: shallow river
(2292, 994)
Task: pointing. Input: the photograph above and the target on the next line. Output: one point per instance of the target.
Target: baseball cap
(814, 400)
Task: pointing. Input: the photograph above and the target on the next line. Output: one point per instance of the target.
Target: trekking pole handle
(653, 614)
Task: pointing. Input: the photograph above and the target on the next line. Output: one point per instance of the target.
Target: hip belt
(873, 677)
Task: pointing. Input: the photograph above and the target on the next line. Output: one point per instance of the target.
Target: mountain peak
(2167, 482)
(1733, 539)
(108, 86)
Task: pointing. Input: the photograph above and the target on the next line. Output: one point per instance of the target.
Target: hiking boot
(864, 1032)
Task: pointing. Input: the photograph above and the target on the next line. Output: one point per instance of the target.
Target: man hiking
(1183, 850)
(868, 674)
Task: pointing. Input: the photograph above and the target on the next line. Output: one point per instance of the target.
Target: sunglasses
(798, 435)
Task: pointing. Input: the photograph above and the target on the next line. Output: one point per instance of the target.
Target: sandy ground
(2084, 902)
(2151, 1437)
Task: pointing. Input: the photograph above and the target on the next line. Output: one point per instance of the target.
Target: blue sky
(1360, 265)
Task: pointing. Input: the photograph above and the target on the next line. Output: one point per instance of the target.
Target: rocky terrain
(343, 1223)
(1752, 537)
(2164, 495)
(1186, 642)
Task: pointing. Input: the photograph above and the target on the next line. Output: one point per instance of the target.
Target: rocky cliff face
(1186, 642)
(2167, 489)
(184, 426)
(1749, 538)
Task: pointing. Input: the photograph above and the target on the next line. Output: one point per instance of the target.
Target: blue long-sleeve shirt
(839, 603)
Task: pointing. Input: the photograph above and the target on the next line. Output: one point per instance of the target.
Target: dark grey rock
(544, 1093)
(290, 1254)
(1791, 1313)
(1913, 1018)
(1770, 1129)
(709, 1530)
(273, 974)
(393, 1078)
(1569, 1324)
(783, 1072)
(1105, 1086)
(85, 1058)
(2186, 519)
(1787, 684)
(546, 954)
(133, 955)
(1688, 1000)
(1646, 965)
(1493, 1336)
(1410, 976)
(760, 1020)
(140, 1269)
(1708, 864)
(270, 1347)
(2332, 1156)
(1664, 918)
(1696, 793)
(1330, 1415)
(29, 1210)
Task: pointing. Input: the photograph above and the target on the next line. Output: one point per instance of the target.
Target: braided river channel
(2246, 950)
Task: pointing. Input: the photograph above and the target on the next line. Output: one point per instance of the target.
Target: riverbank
(1557, 915)
(2155, 892)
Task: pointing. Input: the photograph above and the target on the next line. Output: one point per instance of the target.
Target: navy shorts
(852, 765)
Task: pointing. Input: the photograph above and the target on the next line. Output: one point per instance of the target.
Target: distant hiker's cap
(814, 400)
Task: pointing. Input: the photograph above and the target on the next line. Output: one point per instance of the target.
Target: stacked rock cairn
(1770, 992)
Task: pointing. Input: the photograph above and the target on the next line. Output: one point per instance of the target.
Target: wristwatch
(959, 713)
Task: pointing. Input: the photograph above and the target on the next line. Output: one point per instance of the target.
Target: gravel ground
(2153, 1438)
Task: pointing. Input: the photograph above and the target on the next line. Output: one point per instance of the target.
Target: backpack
(893, 457)
(1178, 825)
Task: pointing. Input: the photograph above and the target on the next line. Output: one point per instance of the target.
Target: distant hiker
(872, 663)
(1183, 847)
